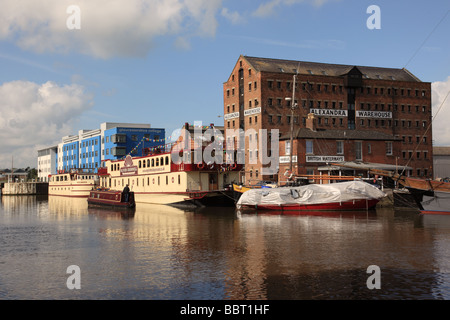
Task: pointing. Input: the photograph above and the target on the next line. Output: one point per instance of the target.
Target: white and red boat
(351, 195)
(73, 183)
(156, 179)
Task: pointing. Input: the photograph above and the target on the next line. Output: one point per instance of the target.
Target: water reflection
(62, 207)
(160, 252)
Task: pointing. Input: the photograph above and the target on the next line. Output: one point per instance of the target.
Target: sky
(68, 65)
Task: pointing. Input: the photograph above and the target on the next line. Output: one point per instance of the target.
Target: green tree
(32, 174)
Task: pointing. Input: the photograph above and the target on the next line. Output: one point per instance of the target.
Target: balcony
(119, 138)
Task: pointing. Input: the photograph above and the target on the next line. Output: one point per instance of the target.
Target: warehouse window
(358, 150)
(309, 147)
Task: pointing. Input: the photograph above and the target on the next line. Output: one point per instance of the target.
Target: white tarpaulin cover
(310, 194)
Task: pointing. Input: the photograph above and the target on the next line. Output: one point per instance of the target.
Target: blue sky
(164, 62)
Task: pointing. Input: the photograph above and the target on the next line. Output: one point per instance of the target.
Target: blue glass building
(89, 148)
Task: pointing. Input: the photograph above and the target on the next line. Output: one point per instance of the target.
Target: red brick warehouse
(381, 115)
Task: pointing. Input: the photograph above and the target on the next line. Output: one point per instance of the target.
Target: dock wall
(24, 188)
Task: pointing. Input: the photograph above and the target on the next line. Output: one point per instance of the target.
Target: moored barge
(111, 198)
(73, 183)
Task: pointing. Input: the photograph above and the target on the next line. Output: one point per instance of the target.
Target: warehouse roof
(328, 69)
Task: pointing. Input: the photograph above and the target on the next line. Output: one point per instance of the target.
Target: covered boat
(334, 196)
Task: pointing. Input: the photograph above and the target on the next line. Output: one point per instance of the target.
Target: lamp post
(293, 106)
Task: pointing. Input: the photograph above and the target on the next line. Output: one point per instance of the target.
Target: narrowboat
(111, 198)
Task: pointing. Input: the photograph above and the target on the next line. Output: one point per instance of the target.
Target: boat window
(140, 164)
(162, 161)
(157, 162)
(158, 180)
(148, 162)
(153, 162)
(167, 160)
(148, 181)
(167, 180)
(143, 164)
(179, 179)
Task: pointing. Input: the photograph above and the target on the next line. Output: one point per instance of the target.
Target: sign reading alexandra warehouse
(374, 114)
(329, 112)
(249, 112)
(325, 158)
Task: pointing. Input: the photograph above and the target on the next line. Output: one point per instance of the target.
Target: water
(164, 253)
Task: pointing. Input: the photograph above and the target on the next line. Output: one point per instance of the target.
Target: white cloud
(109, 28)
(267, 8)
(270, 7)
(34, 115)
(441, 112)
(234, 17)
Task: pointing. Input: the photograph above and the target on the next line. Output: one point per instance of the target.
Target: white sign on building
(249, 112)
(286, 159)
(330, 112)
(325, 158)
(231, 116)
(374, 114)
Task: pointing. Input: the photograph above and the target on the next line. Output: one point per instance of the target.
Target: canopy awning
(349, 165)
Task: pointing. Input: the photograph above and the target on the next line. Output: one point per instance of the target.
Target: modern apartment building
(47, 162)
(388, 102)
(88, 148)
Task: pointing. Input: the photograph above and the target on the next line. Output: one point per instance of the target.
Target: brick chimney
(311, 122)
